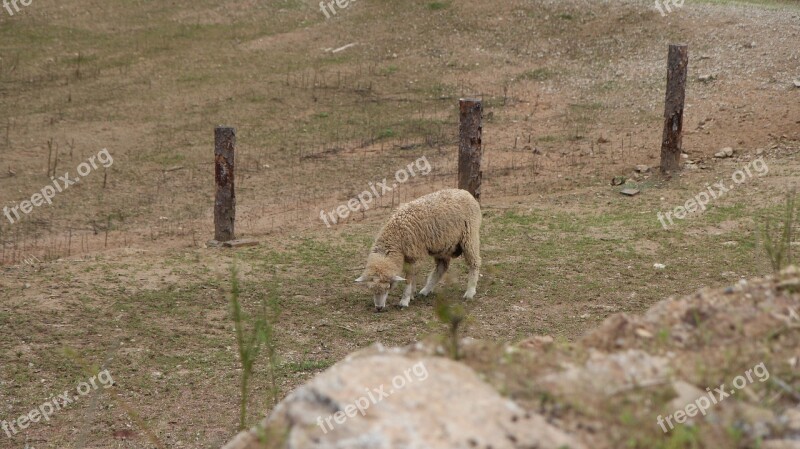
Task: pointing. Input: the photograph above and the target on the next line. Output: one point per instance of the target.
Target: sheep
(443, 224)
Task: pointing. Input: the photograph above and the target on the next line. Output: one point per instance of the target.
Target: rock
(723, 153)
(231, 244)
(240, 243)
(757, 420)
(789, 279)
(686, 394)
(797, 83)
(759, 151)
(642, 168)
(791, 417)
(428, 402)
(659, 266)
(609, 374)
(630, 192)
(537, 342)
(780, 444)
(618, 180)
(706, 78)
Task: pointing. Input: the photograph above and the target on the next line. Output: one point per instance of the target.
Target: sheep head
(380, 275)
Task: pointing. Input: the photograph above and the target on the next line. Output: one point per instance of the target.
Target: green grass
(438, 6)
(540, 74)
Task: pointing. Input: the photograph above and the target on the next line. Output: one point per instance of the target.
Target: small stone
(797, 83)
(537, 342)
(792, 418)
(643, 333)
(642, 168)
(706, 78)
(659, 266)
(240, 243)
(730, 243)
(723, 153)
(759, 151)
(630, 192)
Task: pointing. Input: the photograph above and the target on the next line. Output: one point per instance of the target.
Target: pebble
(723, 153)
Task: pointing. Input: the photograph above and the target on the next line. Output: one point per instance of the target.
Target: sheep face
(380, 276)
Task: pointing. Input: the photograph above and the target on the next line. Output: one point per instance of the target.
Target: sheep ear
(398, 279)
(361, 279)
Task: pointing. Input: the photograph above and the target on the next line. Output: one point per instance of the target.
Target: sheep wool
(443, 225)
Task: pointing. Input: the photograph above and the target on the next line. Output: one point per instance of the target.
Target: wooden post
(470, 149)
(225, 203)
(672, 139)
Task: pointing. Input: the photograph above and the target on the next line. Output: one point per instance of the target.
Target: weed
(260, 337)
(453, 316)
(779, 250)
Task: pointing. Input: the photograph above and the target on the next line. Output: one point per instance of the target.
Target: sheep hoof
(424, 292)
(469, 295)
(402, 306)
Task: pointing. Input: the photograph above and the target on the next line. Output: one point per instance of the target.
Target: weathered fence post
(225, 202)
(470, 149)
(672, 139)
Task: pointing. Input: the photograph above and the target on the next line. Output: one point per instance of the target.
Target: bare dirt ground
(125, 282)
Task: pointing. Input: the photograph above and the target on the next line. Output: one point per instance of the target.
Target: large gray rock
(393, 400)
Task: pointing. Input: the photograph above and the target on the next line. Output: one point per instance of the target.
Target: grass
(155, 79)
(438, 6)
(540, 74)
(598, 251)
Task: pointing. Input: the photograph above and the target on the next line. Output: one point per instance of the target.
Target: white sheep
(443, 224)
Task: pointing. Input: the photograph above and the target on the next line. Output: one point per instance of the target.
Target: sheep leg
(473, 258)
(435, 276)
(408, 293)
